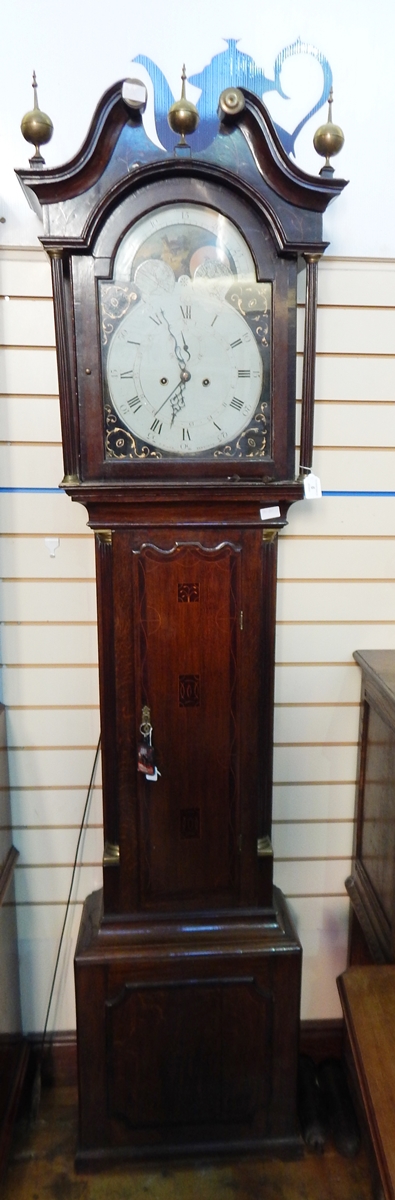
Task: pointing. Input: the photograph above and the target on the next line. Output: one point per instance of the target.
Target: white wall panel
(60, 806)
(39, 929)
(294, 764)
(345, 330)
(30, 727)
(47, 920)
(50, 514)
(27, 372)
(36, 965)
(31, 768)
(40, 644)
(357, 282)
(25, 557)
(337, 423)
(304, 684)
(24, 322)
(47, 600)
(50, 884)
(40, 846)
(31, 466)
(322, 925)
(315, 877)
(347, 558)
(357, 377)
(304, 642)
(30, 419)
(354, 468)
(343, 516)
(336, 600)
(314, 801)
(37, 959)
(308, 841)
(328, 723)
(46, 685)
(25, 273)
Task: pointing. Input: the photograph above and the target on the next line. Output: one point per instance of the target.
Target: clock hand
(186, 348)
(177, 348)
(185, 376)
(178, 402)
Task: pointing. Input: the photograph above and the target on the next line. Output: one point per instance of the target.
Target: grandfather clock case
(174, 281)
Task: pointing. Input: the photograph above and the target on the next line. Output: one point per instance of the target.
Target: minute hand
(177, 349)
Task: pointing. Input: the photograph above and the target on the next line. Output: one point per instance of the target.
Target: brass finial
(37, 128)
(328, 139)
(183, 116)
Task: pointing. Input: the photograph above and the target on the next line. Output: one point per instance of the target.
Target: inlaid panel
(188, 677)
(188, 593)
(189, 691)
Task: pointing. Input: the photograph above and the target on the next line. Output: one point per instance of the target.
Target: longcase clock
(174, 281)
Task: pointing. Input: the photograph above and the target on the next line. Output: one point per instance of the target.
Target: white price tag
(153, 778)
(312, 487)
(269, 514)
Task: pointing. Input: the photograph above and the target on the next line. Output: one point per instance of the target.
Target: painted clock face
(186, 341)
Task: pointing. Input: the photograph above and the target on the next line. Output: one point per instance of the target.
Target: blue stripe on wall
(358, 493)
(32, 491)
(58, 491)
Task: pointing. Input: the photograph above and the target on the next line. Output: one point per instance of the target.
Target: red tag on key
(146, 759)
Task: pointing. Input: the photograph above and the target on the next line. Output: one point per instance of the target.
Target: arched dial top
(186, 333)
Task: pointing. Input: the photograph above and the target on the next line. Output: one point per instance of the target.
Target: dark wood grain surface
(371, 886)
(368, 1001)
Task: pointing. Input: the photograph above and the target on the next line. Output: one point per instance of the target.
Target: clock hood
(117, 157)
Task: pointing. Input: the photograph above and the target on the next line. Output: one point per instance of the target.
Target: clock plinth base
(187, 1034)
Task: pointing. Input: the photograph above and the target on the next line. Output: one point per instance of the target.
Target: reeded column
(308, 384)
(68, 407)
(105, 618)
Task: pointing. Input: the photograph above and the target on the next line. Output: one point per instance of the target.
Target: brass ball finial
(328, 139)
(183, 116)
(37, 128)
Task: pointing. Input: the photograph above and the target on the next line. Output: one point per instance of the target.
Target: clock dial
(183, 373)
(186, 340)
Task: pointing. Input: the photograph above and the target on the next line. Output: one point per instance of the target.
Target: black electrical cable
(36, 1092)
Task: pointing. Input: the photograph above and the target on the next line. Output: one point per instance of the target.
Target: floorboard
(41, 1167)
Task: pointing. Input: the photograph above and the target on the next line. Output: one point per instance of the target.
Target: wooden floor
(41, 1168)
